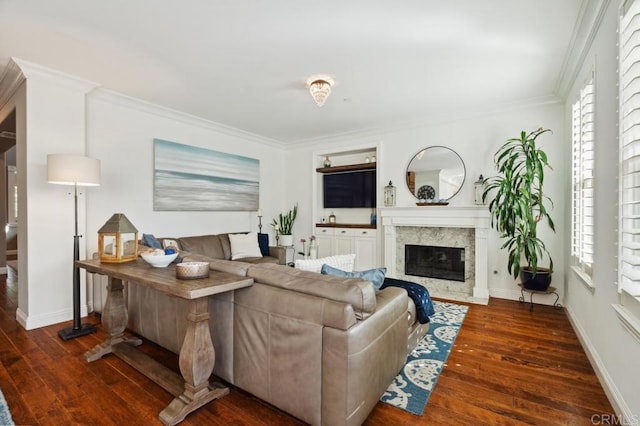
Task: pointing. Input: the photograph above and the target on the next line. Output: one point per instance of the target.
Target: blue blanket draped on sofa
(417, 293)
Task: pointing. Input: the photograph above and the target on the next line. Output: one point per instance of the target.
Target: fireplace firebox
(445, 263)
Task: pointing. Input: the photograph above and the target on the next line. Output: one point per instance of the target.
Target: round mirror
(435, 174)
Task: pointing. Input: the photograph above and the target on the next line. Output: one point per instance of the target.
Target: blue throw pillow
(150, 241)
(375, 276)
(263, 242)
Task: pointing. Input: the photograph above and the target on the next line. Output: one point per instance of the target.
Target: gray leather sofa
(319, 347)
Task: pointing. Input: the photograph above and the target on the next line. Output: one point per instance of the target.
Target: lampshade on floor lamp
(76, 170)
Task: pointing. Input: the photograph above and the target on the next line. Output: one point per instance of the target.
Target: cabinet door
(342, 242)
(365, 249)
(324, 238)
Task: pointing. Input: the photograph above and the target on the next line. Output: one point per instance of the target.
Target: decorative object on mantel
(389, 195)
(520, 164)
(284, 225)
(479, 187)
(320, 88)
(76, 170)
(332, 218)
(327, 162)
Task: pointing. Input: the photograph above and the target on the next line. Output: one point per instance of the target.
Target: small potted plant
(519, 205)
(283, 225)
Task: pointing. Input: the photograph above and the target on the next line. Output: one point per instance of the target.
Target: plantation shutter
(629, 234)
(582, 180)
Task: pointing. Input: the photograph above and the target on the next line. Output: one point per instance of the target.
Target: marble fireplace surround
(475, 217)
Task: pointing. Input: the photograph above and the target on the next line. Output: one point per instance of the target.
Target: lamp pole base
(71, 333)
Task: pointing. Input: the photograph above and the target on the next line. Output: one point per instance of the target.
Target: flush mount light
(320, 88)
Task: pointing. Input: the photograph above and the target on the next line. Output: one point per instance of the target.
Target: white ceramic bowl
(159, 261)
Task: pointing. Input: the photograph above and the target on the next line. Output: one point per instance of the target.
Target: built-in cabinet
(362, 241)
(347, 229)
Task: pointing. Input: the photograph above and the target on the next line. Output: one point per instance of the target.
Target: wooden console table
(197, 355)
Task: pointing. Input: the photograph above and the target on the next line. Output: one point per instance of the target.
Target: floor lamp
(76, 170)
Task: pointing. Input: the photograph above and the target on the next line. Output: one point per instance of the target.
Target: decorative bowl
(159, 260)
(192, 270)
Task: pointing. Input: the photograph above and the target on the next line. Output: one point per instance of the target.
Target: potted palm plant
(283, 225)
(519, 205)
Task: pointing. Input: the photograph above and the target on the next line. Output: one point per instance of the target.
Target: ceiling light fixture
(320, 88)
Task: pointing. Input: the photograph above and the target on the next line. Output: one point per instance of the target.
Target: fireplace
(446, 263)
(451, 226)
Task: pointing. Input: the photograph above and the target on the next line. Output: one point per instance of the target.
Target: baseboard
(608, 384)
(515, 294)
(30, 322)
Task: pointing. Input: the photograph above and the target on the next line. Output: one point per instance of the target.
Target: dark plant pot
(539, 282)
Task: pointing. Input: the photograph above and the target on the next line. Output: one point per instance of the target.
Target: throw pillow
(374, 276)
(150, 241)
(244, 245)
(263, 242)
(341, 261)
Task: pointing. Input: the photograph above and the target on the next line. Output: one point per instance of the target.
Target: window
(582, 181)
(628, 310)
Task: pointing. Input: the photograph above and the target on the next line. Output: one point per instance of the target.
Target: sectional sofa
(319, 347)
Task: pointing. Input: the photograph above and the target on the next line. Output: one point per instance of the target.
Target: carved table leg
(114, 321)
(197, 358)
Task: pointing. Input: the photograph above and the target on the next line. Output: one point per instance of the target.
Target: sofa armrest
(279, 253)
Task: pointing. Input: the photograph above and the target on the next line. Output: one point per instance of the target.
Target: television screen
(350, 189)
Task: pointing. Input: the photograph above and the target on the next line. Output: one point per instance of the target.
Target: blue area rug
(5, 415)
(412, 388)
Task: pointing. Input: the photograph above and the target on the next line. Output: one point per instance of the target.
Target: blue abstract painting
(189, 178)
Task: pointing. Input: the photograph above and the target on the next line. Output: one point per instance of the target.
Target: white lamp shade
(69, 169)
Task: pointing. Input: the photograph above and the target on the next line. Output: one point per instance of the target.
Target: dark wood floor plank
(508, 366)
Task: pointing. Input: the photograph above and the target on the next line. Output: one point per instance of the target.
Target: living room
(60, 111)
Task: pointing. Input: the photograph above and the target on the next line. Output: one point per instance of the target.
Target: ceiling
(244, 63)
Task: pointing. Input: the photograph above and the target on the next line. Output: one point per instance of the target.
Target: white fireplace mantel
(476, 217)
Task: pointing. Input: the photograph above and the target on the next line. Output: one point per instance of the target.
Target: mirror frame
(464, 170)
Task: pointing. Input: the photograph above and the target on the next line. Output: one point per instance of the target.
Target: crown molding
(11, 79)
(585, 30)
(439, 118)
(31, 70)
(125, 101)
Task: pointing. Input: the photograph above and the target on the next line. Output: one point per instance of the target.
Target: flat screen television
(350, 189)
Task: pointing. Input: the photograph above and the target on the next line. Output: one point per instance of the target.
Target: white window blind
(582, 179)
(629, 196)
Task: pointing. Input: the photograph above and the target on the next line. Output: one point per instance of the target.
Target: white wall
(475, 140)
(55, 115)
(612, 349)
(121, 132)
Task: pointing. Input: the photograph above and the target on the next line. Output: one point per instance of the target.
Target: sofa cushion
(374, 276)
(340, 261)
(244, 245)
(208, 245)
(355, 291)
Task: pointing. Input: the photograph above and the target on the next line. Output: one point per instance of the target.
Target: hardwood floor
(508, 366)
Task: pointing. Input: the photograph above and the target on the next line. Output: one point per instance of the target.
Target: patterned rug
(412, 388)
(5, 415)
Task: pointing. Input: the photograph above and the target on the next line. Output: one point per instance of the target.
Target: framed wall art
(190, 178)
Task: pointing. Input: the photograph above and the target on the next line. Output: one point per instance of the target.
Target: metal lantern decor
(118, 240)
(390, 195)
(479, 187)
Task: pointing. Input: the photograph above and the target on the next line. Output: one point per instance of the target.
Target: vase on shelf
(327, 162)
